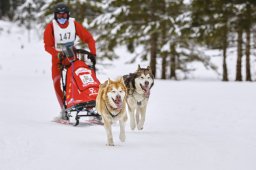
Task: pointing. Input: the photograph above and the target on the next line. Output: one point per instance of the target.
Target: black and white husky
(138, 85)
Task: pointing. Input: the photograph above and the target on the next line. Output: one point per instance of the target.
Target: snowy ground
(190, 125)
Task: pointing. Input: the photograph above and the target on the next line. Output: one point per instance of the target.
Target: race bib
(64, 35)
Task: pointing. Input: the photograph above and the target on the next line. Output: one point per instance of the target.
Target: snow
(190, 125)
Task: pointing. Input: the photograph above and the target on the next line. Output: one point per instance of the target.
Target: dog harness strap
(113, 116)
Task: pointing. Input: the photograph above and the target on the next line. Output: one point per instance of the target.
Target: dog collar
(113, 116)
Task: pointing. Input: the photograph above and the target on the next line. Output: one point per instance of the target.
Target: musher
(63, 29)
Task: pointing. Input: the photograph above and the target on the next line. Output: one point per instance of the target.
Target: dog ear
(121, 80)
(104, 88)
(150, 71)
(138, 67)
(110, 81)
(103, 93)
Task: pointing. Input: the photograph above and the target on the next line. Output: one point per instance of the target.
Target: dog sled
(79, 85)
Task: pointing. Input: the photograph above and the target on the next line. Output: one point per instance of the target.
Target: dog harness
(113, 116)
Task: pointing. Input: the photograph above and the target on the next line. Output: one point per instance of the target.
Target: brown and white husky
(111, 105)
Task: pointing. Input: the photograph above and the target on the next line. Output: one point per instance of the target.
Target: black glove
(61, 56)
(92, 58)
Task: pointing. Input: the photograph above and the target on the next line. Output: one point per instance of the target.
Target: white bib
(64, 35)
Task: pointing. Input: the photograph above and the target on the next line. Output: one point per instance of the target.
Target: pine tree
(212, 18)
(135, 23)
(4, 8)
(8, 8)
(164, 39)
(244, 20)
(249, 17)
(248, 40)
(27, 14)
(177, 35)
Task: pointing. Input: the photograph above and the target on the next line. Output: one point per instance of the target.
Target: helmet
(61, 8)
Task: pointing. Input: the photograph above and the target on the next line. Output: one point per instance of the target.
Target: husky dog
(138, 85)
(111, 105)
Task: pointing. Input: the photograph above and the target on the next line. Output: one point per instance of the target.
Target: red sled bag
(82, 84)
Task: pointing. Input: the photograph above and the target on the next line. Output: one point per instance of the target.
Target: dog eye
(113, 91)
(142, 77)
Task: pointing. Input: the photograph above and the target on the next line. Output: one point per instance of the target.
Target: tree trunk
(248, 48)
(248, 43)
(164, 40)
(239, 55)
(164, 65)
(224, 66)
(173, 62)
(153, 51)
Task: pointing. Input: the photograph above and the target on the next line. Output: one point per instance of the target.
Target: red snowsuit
(49, 44)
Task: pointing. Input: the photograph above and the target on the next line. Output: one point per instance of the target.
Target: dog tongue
(118, 103)
(147, 92)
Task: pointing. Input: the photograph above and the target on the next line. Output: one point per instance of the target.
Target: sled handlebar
(82, 51)
(90, 56)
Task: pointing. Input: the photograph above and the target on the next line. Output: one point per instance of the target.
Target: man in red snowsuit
(63, 29)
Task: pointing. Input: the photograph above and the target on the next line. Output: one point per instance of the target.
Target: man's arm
(86, 37)
(49, 40)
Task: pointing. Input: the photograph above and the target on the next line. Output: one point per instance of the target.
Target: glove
(92, 58)
(60, 56)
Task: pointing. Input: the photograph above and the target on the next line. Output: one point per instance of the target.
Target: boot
(63, 114)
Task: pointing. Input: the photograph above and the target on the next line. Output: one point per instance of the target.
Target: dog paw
(122, 138)
(132, 125)
(140, 126)
(110, 144)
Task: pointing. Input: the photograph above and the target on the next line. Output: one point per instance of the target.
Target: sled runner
(83, 123)
(79, 83)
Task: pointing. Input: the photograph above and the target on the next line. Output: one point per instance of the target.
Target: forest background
(169, 34)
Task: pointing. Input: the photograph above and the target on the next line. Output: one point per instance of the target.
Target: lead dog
(111, 104)
(138, 85)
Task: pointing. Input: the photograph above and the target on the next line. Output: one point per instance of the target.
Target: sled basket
(80, 85)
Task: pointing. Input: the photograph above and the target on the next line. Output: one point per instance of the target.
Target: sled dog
(111, 105)
(138, 86)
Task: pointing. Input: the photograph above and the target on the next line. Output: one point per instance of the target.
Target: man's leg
(56, 77)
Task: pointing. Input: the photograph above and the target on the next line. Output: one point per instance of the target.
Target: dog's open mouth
(118, 102)
(146, 90)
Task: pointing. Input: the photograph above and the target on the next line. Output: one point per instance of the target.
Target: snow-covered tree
(27, 14)
(160, 27)
(131, 23)
(8, 8)
(215, 21)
